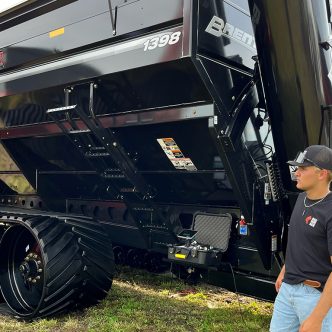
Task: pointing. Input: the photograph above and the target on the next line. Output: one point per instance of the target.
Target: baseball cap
(314, 155)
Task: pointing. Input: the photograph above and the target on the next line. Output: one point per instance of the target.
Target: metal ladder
(97, 144)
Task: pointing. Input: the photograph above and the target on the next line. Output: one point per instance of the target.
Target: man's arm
(314, 322)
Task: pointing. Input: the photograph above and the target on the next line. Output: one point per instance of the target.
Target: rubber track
(78, 262)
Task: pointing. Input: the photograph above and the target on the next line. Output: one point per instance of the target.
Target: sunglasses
(301, 158)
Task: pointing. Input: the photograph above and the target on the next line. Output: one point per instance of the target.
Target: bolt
(114, 144)
(35, 256)
(38, 278)
(40, 270)
(34, 281)
(38, 262)
(29, 279)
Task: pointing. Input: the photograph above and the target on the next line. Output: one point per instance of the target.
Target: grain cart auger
(145, 124)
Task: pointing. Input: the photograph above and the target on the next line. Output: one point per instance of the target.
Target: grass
(146, 302)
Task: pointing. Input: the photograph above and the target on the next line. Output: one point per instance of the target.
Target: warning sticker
(175, 155)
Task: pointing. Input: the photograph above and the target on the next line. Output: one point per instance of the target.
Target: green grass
(141, 301)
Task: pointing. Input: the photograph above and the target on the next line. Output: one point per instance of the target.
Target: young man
(304, 284)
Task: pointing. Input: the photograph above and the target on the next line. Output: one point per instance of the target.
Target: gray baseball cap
(314, 155)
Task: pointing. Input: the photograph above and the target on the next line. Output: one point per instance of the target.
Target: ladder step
(79, 131)
(61, 109)
(96, 154)
(113, 176)
(97, 148)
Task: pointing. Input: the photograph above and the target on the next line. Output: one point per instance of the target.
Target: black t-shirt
(309, 246)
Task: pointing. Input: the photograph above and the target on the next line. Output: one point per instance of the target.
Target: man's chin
(298, 186)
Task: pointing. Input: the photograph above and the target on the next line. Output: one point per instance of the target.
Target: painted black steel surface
(173, 69)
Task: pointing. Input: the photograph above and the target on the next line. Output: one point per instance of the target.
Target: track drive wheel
(46, 267)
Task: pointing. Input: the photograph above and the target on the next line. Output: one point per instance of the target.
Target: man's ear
(323, 174)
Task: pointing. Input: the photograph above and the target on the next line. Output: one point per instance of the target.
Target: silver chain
(308, 206)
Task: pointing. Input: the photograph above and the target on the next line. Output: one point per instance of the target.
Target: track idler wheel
(135, 258)
(47, 268)
(119, 255)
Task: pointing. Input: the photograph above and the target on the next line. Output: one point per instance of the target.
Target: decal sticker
(160, 41)
(219, 28)
(175, 155)
(274, 243)
(56, 33)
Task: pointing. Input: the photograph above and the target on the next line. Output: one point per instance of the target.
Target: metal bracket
(324, 110)
(113, 17)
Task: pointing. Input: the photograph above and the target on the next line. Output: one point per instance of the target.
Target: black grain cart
(153, 132)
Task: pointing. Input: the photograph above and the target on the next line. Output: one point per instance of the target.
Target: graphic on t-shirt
(307, 220)
(311, 221)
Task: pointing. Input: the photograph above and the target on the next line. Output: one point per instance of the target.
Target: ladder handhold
(79, 131)
(128, 190)
(61, 109)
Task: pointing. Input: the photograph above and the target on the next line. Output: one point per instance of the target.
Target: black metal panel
(83, 22)
(295, 71)
(245, 284)
(144, 88)
(225, 33)
(208, 185)
(93, 63)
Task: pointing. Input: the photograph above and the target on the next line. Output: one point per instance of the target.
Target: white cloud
(7, 4)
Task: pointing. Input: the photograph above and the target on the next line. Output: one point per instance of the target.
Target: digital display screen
(187, 234)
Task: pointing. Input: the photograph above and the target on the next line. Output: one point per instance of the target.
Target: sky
(7, 4)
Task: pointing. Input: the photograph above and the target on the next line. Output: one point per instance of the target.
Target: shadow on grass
(153, 303)
(129, 309)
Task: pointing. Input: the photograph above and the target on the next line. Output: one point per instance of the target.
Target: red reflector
(2, 58)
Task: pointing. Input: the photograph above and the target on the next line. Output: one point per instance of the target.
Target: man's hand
(280, 279)
(278, 283)
(311, 324)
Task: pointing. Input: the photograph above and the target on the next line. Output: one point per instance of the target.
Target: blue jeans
(293, 304)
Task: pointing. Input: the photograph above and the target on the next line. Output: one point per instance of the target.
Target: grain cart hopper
(144, 124)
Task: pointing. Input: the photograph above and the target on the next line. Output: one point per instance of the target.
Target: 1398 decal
(162, 41)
